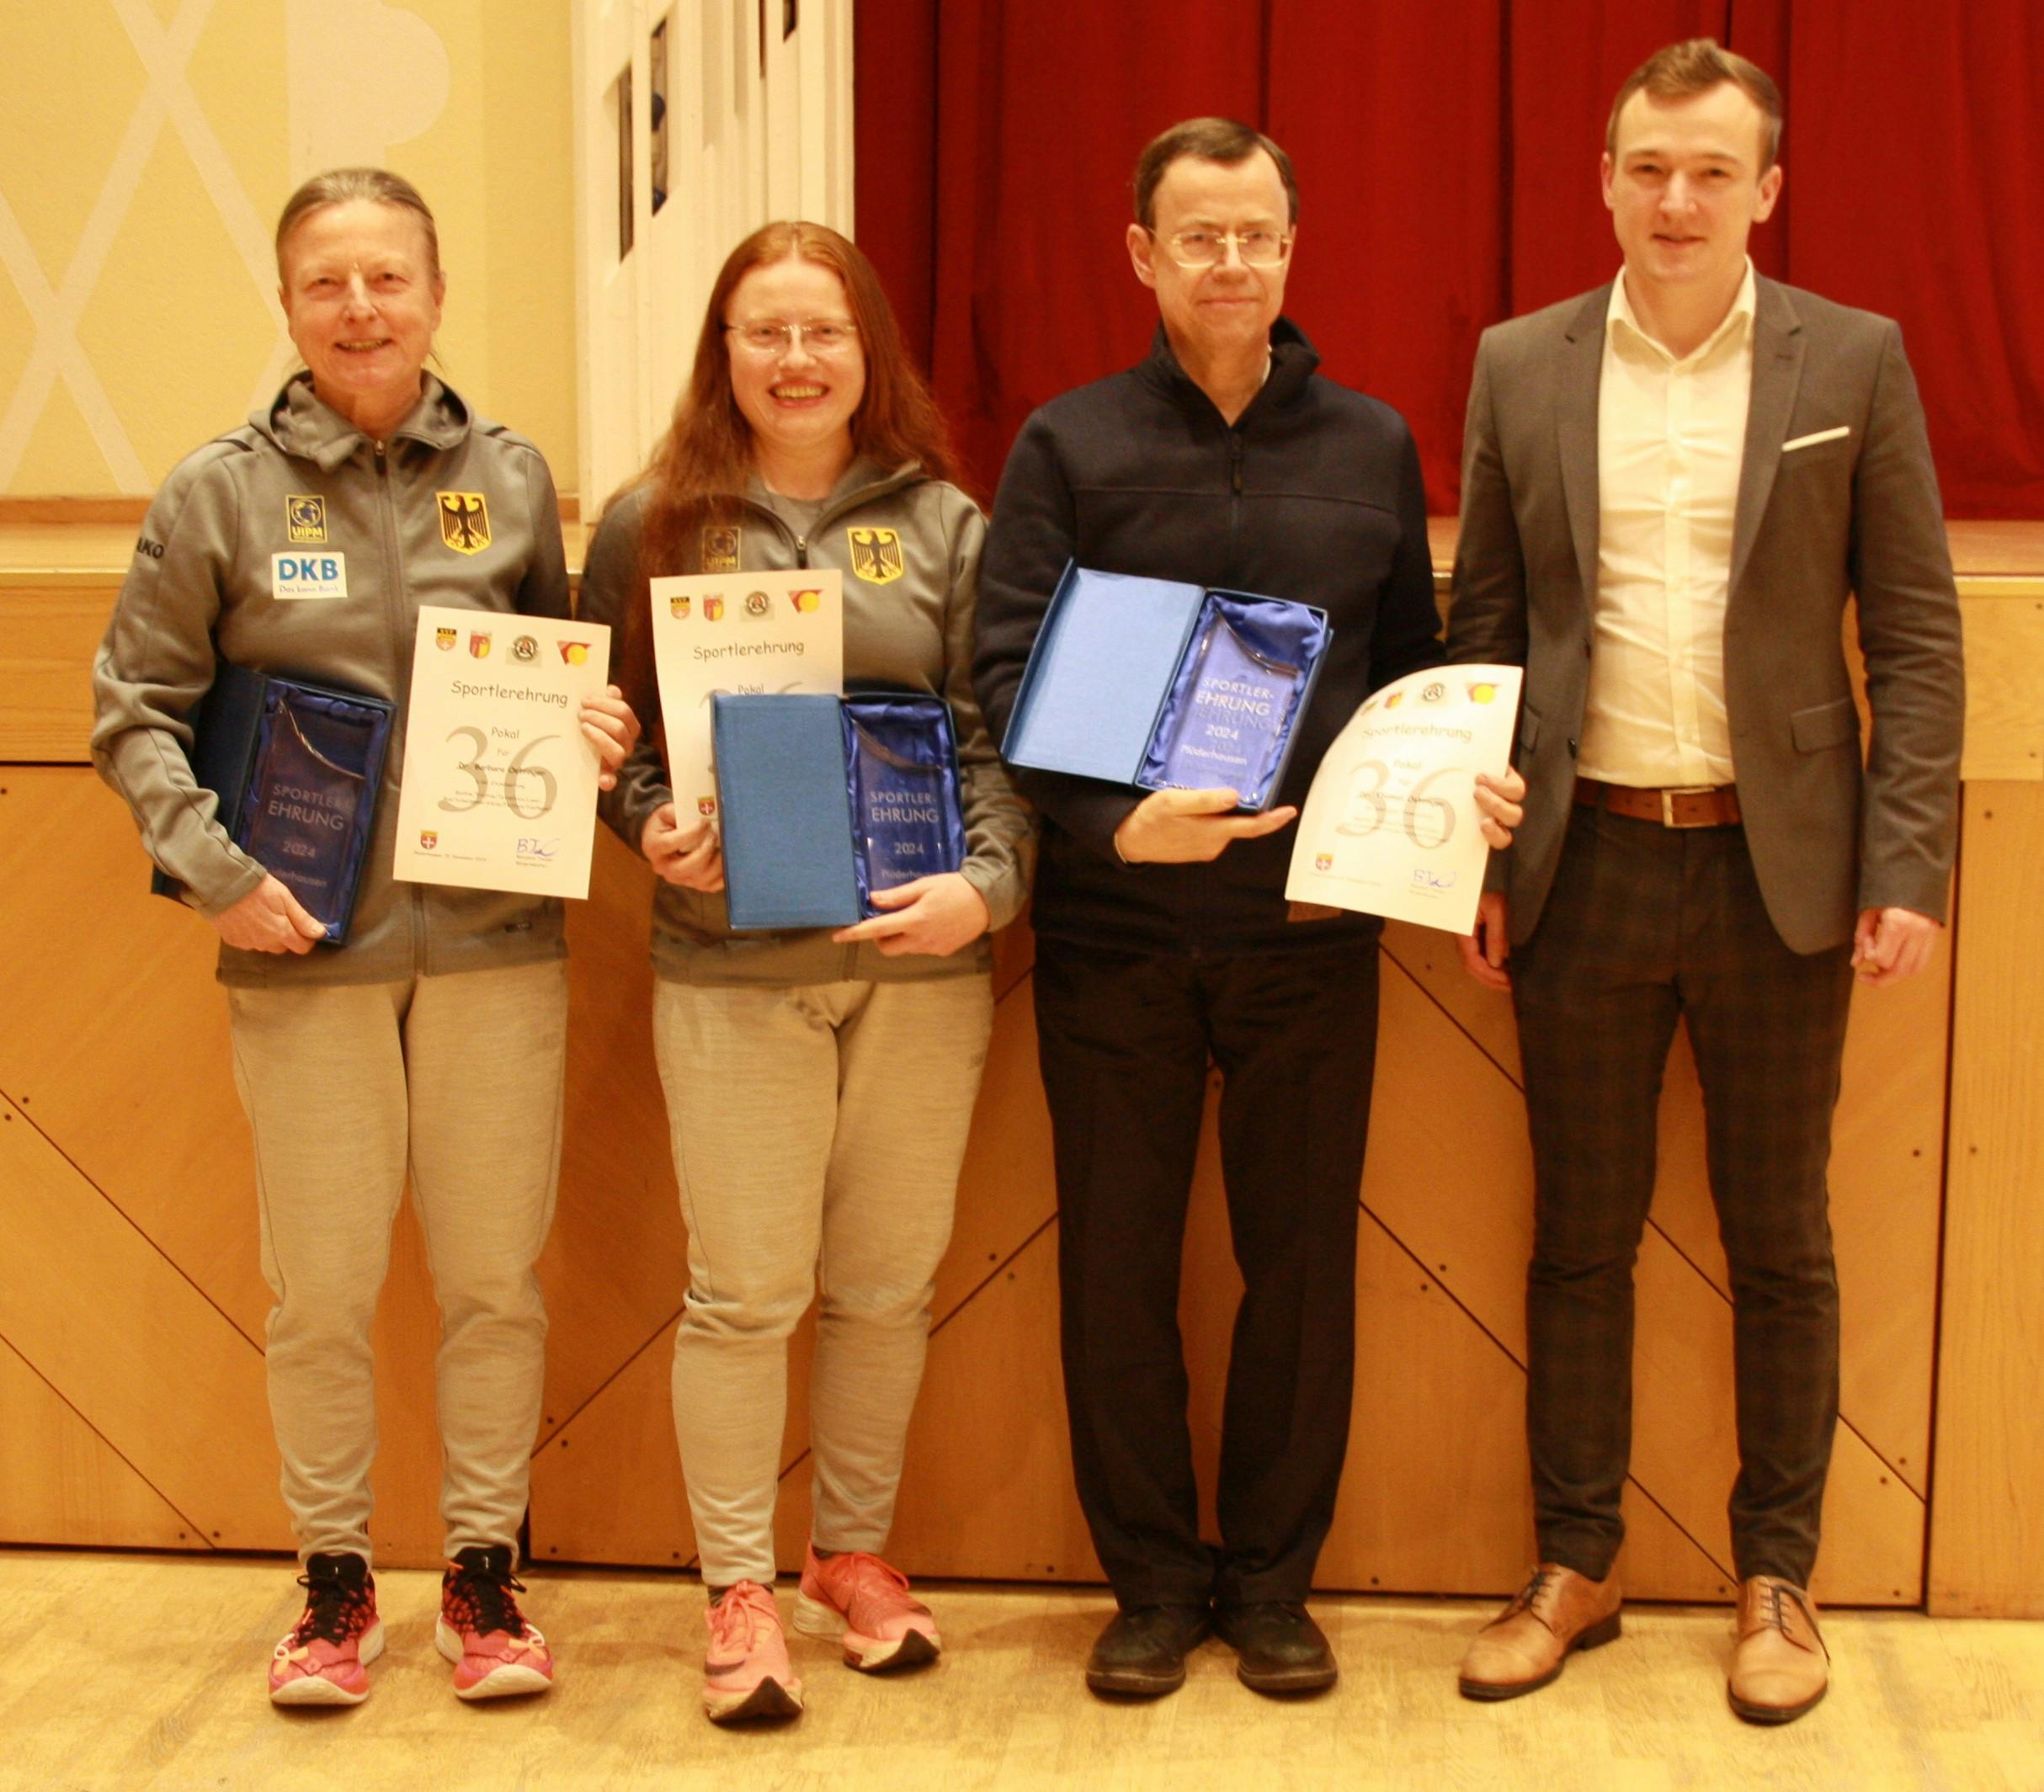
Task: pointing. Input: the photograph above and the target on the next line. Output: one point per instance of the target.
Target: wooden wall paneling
(50, 626)
(1450, 1172)
(117, 1041)
(2005, 708)
(615, 1268)
(61, 1482)
(606, 1485)
(1008, 1190)
(135, 1349)
(1987, 1543)
(1888, 1199)
(1433, 960)
(987, 1490)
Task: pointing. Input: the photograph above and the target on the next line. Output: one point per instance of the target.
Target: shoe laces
(336, 1607)
(1529, 1595)
(735, 1618)
(1774, 1615)
(478, 1588)
(869, 1576)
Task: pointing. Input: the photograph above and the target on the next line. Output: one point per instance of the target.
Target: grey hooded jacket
(913, 631)
(300, 479)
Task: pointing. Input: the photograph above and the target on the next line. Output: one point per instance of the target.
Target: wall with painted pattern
(145, 149)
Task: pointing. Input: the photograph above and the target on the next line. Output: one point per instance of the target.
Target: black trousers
(1125, 1043)
(1646, 924)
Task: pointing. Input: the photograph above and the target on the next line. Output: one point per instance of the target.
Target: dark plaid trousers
(1124, 1042)
(1645, 924)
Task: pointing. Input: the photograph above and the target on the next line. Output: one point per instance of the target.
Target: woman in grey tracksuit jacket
(819, 1085)
(432, 1041)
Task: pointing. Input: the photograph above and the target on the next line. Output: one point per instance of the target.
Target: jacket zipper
(852, 500)
(415, 893)
(1234, 502)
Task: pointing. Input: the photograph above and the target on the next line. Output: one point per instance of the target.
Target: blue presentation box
(825, 800)
(1164, 685)
(297, 767)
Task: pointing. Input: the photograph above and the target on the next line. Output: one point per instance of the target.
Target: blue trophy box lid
(1101, 677)
(787, 830)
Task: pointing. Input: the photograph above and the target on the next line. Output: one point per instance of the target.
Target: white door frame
(757, 125)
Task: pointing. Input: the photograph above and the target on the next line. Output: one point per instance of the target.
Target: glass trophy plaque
(903, 784)
(1234, 710)
(306, 796)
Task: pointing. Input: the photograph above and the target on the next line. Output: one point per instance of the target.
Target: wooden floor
(127, 1672)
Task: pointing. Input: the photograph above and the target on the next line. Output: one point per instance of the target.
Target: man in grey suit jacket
(1670, 487)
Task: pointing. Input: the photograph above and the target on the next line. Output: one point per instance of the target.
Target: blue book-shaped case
(826, 800)
(296, 767)
(1165, 685)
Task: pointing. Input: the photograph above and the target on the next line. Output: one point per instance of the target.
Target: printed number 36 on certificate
(1390, 827)
(499, 790)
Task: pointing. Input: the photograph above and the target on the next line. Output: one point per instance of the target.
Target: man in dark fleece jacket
(1162, 932)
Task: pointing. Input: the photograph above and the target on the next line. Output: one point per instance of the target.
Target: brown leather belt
(1707, 806)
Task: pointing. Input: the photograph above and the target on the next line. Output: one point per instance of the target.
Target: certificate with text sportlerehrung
(1390, 826)
(499, 790)
(745, 634)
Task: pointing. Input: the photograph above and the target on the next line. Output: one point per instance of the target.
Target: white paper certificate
(499, 789)
(1390, 825)
(742, 632)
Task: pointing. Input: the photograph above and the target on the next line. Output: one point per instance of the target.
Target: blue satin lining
(1290, 634)
(916, 731)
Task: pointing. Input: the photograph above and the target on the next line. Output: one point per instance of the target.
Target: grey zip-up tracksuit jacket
(913, 631)
(301, 481)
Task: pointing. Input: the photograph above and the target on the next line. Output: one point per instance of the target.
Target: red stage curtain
(1447, 155)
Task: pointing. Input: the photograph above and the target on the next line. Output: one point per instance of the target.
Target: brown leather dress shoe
(1781, 1666)
(1524, 1647)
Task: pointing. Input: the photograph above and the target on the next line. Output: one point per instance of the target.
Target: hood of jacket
(301, 424)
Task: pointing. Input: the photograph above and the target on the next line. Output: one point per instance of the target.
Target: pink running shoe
(325, 1659)
(496, 1653)
(746, 1671)
(858, 1598)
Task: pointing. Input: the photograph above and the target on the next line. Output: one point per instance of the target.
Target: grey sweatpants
(818, 1132)
(459, 1079)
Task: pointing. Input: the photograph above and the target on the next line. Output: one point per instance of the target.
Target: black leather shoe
(1143, 1651)
(1282, 1649)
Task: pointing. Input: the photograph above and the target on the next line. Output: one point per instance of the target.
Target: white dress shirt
(1670, 440)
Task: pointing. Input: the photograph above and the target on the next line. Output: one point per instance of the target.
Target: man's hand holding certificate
(500, 780)
(1392, 825)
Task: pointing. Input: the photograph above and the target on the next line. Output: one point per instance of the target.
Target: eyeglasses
(1258, 248)
(770, 336)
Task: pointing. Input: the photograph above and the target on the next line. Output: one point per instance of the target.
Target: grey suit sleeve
(1909, 620)
(1487, 614)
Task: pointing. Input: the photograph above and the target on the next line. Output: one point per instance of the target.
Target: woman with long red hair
(819, 1084)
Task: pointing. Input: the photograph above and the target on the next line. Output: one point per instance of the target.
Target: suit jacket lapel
(1777, 372)
(1579, 375)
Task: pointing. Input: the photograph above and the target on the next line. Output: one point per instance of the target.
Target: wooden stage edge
(71, 536)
